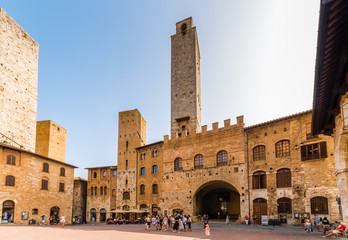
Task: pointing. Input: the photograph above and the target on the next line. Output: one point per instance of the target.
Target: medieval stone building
(278, 168)
(35, 180)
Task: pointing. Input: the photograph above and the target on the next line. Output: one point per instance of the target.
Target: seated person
(329, 227)
(339, 229)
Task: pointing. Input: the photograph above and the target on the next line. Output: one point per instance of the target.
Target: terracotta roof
(278, 120)
(80, 179)
(35, 154)
(102, 167)
(330, 64)
(148, 145)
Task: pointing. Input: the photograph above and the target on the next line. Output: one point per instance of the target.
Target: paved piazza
(130, 232)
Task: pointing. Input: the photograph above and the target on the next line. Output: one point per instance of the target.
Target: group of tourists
(177, 223)
(52, 220)
(322, 225)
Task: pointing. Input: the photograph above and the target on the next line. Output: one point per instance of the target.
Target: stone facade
(50, 140)
(341, 157)
(150, 158)
(28, 194)
(101, 193)
(310, 177)
(79, 199)
(18, 84)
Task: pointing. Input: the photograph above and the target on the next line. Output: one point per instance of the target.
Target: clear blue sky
(101, 57)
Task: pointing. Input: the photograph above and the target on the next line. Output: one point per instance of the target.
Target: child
(207, 231)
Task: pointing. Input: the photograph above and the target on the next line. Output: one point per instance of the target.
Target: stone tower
(185, 79)
(132, 134)
(18, 84)
(50, 140)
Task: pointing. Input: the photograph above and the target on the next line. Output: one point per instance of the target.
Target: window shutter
(256, 182)
(263, 181)
(323, 150)
(303, 153)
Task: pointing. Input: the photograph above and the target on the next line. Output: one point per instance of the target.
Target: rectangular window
(313, 151)
(44, 184)
(61, 187)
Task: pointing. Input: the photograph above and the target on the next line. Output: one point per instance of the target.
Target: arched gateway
(217, 198)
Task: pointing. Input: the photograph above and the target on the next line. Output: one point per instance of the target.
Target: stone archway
(217, 198)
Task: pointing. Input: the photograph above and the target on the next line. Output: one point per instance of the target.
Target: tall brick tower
(132, 134)
(185, 79)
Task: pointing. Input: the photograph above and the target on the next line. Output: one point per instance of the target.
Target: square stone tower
(185, 79)
(50, 140)
(18, 84)
(132, 134)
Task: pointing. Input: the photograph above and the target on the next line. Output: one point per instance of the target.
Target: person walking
(189, 221)
(62, 221)
(207, 231)
(227, 219)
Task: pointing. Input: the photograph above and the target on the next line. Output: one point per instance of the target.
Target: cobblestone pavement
(130, 232)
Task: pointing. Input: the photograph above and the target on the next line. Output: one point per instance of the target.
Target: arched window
(284, 205)
(35, 211)
(92, 191)
(177, 164)
(221, 158)
(283, 178)
(259, 153)
(142, 189)
(45, 167)
(62, 172)
(126, 181)
(282, 148)
(95, 175)
(105, 191)
(154, 188)
(95, 191)
(11, 160)
(155, 153)
(126, 163)
(319, 205)
(127, 145)
(104, 174)
(44, 184)
(10, 181)
(126, 196)
(198, 161)
(142, 171)
(259, 180)
(101, 191)
(154, 169)
(125, 207)
(61, 187)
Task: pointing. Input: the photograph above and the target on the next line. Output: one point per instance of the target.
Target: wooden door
(260, 208)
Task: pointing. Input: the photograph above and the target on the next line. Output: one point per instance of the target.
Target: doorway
(7, 212)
